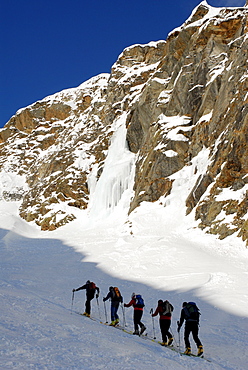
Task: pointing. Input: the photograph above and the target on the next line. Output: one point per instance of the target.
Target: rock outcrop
(181, 96)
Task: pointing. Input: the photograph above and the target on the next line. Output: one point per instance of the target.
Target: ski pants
(89, 298)
(114, 309)
(191, 327)
(137, 314)
(164, 327)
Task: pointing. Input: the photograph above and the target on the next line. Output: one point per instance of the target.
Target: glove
(104, 299)
(178, 328)
(97, 295)
(125, 305)
(73, 290)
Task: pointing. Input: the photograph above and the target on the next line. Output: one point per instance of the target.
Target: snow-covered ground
(155, 254)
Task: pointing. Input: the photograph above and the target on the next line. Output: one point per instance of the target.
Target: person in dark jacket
(116, 299)
(90, 288)
(137, 315)
(164, 321)
(191, 326)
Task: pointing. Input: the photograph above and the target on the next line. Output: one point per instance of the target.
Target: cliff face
(180, 98)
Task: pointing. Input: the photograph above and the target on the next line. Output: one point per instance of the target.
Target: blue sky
(50, 45)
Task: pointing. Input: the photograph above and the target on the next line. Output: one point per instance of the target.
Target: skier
(190, 313)
(91, 288)
(138, 304)
(164, 310)
(116, 298)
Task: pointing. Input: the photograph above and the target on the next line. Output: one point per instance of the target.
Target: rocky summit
(182, 103)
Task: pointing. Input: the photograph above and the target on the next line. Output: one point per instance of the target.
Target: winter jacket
(133, 303)
(89, 291)
(159, 310)
(185, 317)
(111, 295)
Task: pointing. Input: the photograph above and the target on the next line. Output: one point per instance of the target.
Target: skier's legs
(116, 315)
(87, 304)
(167, 327)
(195, 330)
(187, 331)
(114, 309)
(164, 329)
(137, 314)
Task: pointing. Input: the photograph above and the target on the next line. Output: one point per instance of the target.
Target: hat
(133, 295)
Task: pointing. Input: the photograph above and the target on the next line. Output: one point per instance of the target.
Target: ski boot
(136, 332)
(169, 343)
(112, 323)
(117, 322)
(188, 351)
(200, 351)
(86, 314)
(143, 328)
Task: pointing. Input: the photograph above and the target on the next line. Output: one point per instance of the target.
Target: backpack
(167, 308)
(139, 301)
(116, 294)
(192, 312)
(92, 286)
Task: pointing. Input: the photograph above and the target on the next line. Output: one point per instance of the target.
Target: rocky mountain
(178, 101)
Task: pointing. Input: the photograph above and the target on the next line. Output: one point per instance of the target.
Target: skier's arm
(107, 297)
(156, 312)
(131, 303)
(180, 322)
(82, 287)
(97, 292)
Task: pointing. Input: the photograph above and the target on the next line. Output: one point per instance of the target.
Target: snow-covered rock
(181, 106)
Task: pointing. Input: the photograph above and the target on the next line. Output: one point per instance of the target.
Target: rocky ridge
(180, 96)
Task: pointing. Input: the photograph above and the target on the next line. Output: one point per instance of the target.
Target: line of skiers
(189, 313)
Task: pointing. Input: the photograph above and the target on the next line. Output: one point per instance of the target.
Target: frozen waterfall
(114, 187)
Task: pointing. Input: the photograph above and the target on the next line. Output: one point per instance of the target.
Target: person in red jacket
(164, 310)
(138, 306)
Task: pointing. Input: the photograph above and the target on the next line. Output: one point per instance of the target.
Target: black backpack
(192, 312)
(167, 308)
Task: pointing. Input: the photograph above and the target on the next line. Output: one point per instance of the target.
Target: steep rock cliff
(180, 97)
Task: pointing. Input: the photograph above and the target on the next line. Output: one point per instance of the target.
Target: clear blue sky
(50, 45)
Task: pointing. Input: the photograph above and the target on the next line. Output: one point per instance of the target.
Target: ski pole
(123, 312)
(151, 312)
(72, 300)
(105, 313)
(174, 337)
(99, 309)
(179, 337)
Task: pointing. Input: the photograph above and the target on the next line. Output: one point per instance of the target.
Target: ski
(143, 336)
(90, 317)
(182, 353)
(122, 329)
(173, 348)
